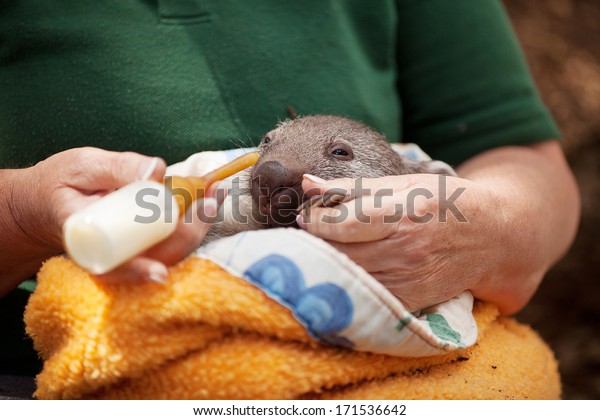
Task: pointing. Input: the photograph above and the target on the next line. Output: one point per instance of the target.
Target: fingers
(378, 207)
(139, 269)
(339, 223)
(363, 219)
(218, 191)
(366, 218)
(152, 265)
(189, 233)
(313, 185)
(96, 169)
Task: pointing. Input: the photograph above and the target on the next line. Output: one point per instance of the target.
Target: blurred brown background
(561, 39)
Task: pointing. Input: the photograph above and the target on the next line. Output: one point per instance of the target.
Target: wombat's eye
(341, 151)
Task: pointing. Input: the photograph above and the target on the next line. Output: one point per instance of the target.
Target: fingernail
(219, 191)
(150, 169)
(300, 221)
(315, 179)
(158, 274)
(208, 209)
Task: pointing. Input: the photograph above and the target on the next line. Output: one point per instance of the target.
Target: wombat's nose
(277, 190)
(268, 177)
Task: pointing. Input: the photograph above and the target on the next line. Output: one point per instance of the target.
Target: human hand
(425, 237)
(47, 193)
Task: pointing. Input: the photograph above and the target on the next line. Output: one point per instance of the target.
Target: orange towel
(208, 334)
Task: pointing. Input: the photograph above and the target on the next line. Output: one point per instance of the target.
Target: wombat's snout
(277, 190)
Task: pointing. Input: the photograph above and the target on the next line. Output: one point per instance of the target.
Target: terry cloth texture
(336, 300)
(209, 334)
(172, 77)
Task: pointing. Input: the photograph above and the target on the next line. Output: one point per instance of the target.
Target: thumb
(104, 170)
(126, 167)
(358, 187)
(313, 185)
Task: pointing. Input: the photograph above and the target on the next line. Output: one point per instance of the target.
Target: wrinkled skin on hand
(420, 235)
(43, 197)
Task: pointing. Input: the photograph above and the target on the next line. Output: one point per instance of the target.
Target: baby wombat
(269, 193)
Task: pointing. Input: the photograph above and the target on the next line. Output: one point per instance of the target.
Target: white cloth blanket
(337, 301)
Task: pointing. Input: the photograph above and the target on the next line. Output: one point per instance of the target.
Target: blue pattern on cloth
(325, 309)
(336, 300)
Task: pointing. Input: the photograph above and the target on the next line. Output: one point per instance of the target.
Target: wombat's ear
(292, 114)
(434, 167)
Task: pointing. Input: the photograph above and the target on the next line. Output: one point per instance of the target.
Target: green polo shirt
(173, 77)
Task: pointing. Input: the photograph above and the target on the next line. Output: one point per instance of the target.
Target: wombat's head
(326, 146)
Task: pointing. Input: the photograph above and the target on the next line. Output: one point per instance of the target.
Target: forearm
(537, 205)
(20, 254)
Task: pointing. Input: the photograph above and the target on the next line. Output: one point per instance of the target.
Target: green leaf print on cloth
(440, 327)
